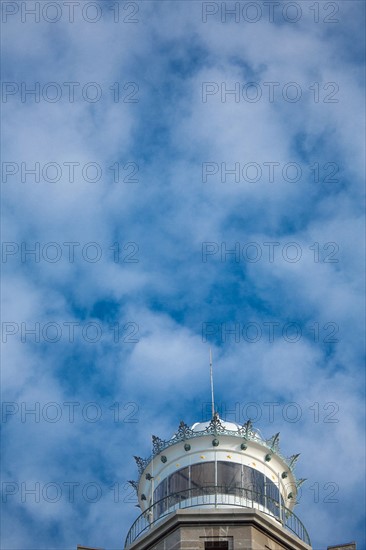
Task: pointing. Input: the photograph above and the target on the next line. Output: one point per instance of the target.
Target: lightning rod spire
(212, 387)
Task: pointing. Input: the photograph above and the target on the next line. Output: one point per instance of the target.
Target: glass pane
(272, 494)
(160, 492)
(229, 476)
(254, 482)
(179, 484)
(179, 481)
(258, 482)
(202, 475)
(247, 478)
(272, 490)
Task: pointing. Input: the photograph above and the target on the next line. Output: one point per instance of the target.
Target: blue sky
(132, 278)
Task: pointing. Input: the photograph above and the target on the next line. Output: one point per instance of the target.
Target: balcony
(220, 498)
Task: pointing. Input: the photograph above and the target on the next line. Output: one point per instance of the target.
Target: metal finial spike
(292, 461)
(300, 481)
(273, 441)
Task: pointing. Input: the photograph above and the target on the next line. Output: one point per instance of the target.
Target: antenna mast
(212, 387)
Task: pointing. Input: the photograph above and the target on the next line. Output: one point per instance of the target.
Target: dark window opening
(217, 545)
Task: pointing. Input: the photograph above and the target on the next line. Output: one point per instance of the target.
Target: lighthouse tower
(217, 485)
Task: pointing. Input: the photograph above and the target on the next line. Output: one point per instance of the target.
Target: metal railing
(216, 497)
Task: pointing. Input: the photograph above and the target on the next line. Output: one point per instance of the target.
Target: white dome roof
(201, 426)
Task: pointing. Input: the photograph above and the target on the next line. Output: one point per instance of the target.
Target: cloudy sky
(178, 175)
